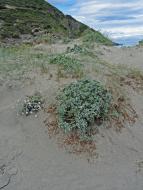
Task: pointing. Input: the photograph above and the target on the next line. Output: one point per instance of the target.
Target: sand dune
(29, 160)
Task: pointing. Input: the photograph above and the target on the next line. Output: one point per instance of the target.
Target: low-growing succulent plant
(32, 104)
(68, 64)
(80, 104)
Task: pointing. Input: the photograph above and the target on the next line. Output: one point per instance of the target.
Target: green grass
(14, 61)
(141, 43)
(90, 37)
(17, 60)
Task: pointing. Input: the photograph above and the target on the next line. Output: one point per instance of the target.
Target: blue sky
(120, 19)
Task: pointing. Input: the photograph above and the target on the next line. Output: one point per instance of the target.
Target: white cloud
(125, 32)
(118, 18)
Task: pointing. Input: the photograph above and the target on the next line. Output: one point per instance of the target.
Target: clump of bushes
(32, 104)
(66, 40)
(76, 49)
(81, 104)
(68, 64)
(141, 43)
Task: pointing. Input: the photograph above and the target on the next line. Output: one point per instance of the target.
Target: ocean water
(128, 41)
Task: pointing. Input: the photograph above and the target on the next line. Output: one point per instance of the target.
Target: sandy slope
(131, 56)
(29, 160)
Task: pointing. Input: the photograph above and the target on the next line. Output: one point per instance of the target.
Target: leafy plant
(80, 104)
(69, 65)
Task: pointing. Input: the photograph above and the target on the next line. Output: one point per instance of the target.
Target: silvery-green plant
(80, 104)
(68, 64)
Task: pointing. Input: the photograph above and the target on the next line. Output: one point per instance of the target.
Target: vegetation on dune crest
(141, 43)
(90, 36)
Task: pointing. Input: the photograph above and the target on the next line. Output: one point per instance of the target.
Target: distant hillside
(18, 17)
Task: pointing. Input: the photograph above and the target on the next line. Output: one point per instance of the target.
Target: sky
(121, 20)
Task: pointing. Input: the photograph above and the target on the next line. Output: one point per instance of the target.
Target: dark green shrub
(80, 104)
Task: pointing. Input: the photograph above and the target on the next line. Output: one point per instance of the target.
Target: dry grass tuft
(121, 112)
(133, 79)
(70, 142)
(77, 146)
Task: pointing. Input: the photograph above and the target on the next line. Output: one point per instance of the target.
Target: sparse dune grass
(126, 75)
(17, 60)
(134, 78)
(13, 60)
(122, 112)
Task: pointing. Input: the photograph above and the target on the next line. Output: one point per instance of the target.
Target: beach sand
(30, 160)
